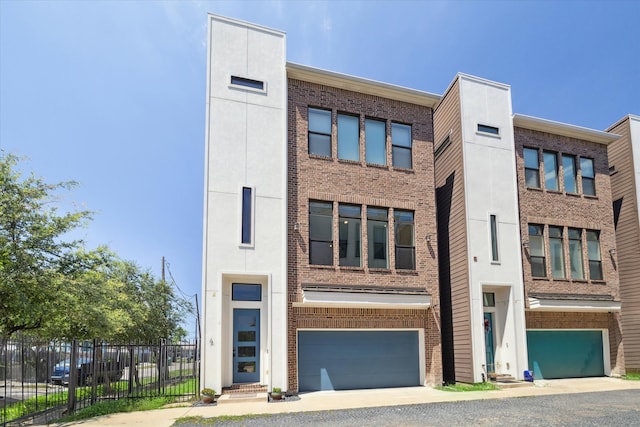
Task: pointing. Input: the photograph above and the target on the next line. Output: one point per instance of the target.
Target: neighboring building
(624, 168)
(570, 275)
(363, 235)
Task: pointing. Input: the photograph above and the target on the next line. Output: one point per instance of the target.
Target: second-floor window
(556, 252)
(593, 250)
(349, 230)
(575, 253)
(405, 240)
(377, 232)
(588, 176)
(321, 233)
(536, 250)
(319, 132)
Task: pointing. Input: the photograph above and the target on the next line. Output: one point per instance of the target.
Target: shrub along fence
(44, 380)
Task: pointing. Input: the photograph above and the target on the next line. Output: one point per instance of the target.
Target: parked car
(85, 368)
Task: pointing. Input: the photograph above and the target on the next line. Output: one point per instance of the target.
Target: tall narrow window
(593, 250)
(556, 252)
(588, 176)
(405, 240)
(531, 168)
(246, 215)
(569, 173)
(401, 145)
(349, 235)
(377, 232)
(320, 132)
(348, 137)
(575, 254)
(550, 160)
(536, 248)
(321, 233)
(493, 223)
(375, 142)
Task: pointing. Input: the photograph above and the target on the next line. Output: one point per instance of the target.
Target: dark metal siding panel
(346, 360)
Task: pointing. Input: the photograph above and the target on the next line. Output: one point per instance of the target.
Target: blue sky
(112, 93)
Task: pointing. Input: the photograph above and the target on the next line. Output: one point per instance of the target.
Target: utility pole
(163, 268)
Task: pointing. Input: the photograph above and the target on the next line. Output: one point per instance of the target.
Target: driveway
(612, 408)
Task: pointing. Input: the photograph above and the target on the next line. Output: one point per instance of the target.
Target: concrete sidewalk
(328, 400)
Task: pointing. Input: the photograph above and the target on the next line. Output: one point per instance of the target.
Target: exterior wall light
(525, 244)
(612, 252)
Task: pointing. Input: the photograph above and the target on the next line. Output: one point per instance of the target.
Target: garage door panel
(343, 360)
(565, 354)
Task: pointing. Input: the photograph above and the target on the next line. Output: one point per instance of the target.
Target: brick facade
(558, 208)
(313, 177)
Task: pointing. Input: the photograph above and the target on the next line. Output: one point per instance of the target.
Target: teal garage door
(565, 354)
(347, 360)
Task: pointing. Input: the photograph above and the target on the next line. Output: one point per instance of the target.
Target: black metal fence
(45, 380)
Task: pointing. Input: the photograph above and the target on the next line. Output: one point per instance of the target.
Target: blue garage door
(346, 360)
(565, 354)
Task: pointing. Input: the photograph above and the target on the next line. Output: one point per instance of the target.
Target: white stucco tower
(244, 287)
(493, 230)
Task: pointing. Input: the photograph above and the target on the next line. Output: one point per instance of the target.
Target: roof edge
(362, 85)
(564, 129)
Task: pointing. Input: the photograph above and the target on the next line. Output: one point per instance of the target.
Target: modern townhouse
(570, 269)
(624, 169)
(363, 235)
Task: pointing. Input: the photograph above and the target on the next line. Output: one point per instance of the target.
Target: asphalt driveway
(610, 408)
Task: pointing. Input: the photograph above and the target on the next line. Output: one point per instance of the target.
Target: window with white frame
(247, 215)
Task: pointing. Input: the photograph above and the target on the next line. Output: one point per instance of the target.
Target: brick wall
(560, 209)
(339, 181)
(547, 207)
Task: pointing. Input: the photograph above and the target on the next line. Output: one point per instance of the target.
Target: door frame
(230, 306)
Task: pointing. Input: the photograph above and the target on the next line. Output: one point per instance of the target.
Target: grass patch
(469, 387)
(116, 406)
(635, 376)
(198, 420)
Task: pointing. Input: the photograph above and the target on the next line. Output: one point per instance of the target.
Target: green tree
(34, 254)
(57, 289)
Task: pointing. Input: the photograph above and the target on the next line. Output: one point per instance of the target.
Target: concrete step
(243, 398)
(513, 384)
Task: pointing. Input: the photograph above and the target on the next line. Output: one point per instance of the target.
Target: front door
(246, 345)
(488, 342)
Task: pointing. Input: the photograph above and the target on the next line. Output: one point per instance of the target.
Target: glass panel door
(489, 343)
(246, 345)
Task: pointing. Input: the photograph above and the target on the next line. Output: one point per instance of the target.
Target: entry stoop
(243, 393)
(507, 381)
